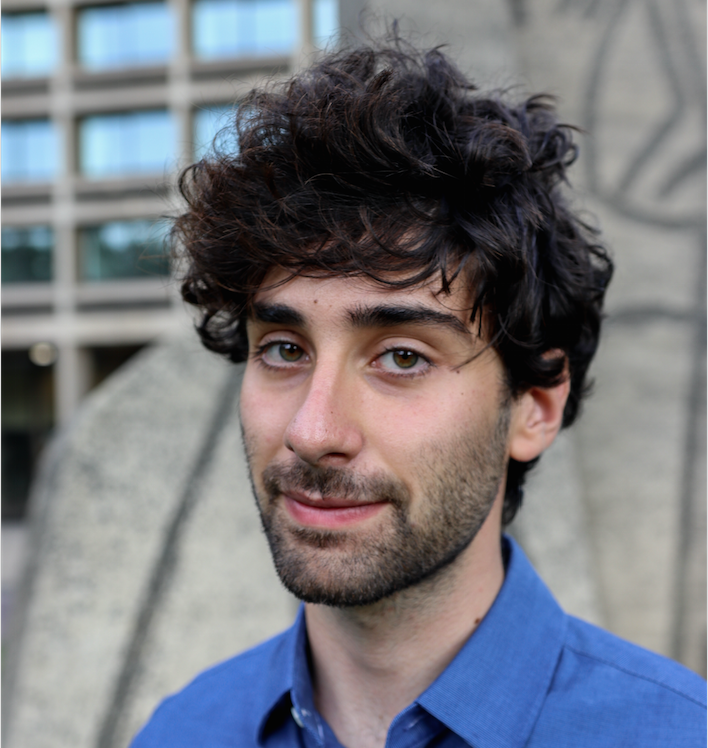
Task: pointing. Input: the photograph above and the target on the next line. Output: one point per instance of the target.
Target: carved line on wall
(686, 85)
(649, 314)
(691, 459)
(619, 197)
(161, 574)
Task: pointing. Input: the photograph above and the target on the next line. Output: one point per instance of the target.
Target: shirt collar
(492, 692)
(286, 666)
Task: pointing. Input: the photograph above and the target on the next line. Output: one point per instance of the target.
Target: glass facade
(27, 254)
(112, 145)
(123, 249)
(29, 150)
(232, 28)
(207, 123)
(116, 36)
(29, 45)
(325, 21)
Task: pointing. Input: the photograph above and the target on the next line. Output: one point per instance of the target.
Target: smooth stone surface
(634, 431)
(552, 528)
(633, 75)
(107, 499)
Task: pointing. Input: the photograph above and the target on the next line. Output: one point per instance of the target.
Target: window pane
(29, 150)
(27, 254)
(210, 122)
(126, 143)
(29, 44)
(229, 28)
(325, 21)
(114, 36)
(123, 249)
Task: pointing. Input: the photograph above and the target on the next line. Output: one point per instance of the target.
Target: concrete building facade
(103, 103)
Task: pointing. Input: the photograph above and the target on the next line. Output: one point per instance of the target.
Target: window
(115, 36)
(325, 21)
(27, 254)
(27, 417)
(113, 145)
(123, 249)
(107, 359)
(210, 121)
(229, 28)
(29, 150)
(29, 45)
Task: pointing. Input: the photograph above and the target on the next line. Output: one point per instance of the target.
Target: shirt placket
(312, 728)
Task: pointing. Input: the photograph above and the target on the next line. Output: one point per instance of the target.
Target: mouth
(328, 512)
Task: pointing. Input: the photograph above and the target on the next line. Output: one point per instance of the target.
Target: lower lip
(330, 517)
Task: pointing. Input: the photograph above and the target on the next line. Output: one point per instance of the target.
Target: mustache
(332, 482)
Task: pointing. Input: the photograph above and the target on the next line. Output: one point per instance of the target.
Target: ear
(536, 419)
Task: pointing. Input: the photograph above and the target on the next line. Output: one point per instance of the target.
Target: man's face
(376, 447)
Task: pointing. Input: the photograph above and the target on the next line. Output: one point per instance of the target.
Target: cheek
(403, 427)
(406, 429)
(264, 417)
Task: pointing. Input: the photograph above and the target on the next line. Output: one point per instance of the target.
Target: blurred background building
(146, 562)
(102, 104)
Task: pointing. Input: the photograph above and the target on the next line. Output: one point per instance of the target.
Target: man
(391, 253)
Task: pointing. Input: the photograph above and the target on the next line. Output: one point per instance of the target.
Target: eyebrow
(382, 316)
(277, 314)
(385, 315)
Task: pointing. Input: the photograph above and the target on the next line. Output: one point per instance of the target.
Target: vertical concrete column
(180, 102)
(72, 376)
(304, 45)
(179, 93)
(351, 18)
(72, 379)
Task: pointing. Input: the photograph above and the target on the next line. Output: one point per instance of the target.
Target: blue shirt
(530, 675)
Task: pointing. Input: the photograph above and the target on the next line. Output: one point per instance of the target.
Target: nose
(325, 429)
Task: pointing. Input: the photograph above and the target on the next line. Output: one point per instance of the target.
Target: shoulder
(621, 694)
(630, 662)
(222, 705)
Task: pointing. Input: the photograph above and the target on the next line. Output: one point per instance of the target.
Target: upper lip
(325, 502)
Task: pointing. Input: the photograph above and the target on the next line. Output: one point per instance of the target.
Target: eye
(400, 360)
(279, 353)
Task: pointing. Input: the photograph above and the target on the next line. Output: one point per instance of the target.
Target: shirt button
(296, 717)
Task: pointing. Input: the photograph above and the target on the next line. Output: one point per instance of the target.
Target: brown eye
(404, 359)
(279, 353)
(290, 352)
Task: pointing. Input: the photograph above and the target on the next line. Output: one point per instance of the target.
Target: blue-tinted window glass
(29, 150)
(29, 44)
(212, 121)
(127, 143)
(27, 254)
(123, 249)
(229, 28)
(115, 36)
(325, 21)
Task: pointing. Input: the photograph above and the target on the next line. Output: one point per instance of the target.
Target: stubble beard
(345, 568)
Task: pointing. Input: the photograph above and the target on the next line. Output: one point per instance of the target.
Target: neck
(369, 663)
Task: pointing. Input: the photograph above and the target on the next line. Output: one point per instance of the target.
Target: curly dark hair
(385, 162)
